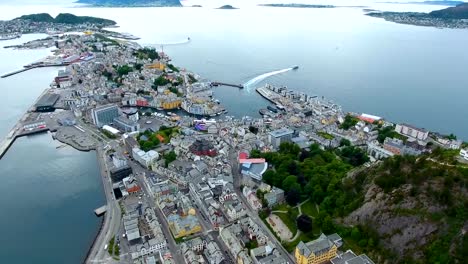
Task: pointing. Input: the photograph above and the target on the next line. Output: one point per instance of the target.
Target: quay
(23, 128)
(13, 135)
(240, 86)
(28, 67)
(101, 210)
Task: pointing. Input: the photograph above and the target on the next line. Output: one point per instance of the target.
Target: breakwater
(27, 68)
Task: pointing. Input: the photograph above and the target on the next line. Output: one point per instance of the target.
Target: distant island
(196, 6)
(298, 5)
(444, 3)
(451, 17)
(227, 7)
(66, 18)
(131, 3)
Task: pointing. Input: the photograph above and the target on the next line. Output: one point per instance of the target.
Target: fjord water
(402, 72)
(47, 195)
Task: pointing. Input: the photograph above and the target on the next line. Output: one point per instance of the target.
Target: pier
(27, 68)
(101, 210)
(240, 86)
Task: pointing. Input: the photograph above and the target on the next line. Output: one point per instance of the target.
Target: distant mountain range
(127, 3)
(66, 18)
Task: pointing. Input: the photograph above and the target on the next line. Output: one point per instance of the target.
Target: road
(252, 213)
(139, 172)
(112, 217)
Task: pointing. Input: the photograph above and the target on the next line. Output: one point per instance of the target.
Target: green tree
(169, 157)
(293, 196)
(345, 142)
(304, 223)
(327, 225)
(355, 234)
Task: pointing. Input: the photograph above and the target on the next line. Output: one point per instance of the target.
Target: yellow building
(158, 65)
(183, 226)
(171, 104)
(317, 251)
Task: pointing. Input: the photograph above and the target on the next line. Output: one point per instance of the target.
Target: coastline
(106, 221)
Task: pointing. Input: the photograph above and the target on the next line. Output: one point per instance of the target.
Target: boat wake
(251, 83)
(187, 40)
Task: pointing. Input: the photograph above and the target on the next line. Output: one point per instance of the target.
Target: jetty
(30, 67)
(240, 86)
(101, 210)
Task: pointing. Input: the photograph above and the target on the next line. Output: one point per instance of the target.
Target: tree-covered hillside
(66, 18)
(405, 209)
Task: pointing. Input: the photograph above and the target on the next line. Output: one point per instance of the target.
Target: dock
(240, 86)
(101, 210)
(6, 142)
(27, 68)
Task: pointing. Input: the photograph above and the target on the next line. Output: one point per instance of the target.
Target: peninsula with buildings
(45, 23)
(131, 3)
(298, 5)
(451, 17)
(304, 183)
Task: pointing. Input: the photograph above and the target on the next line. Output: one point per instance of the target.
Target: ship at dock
(272, 109)
(263, 112)
(9, 36)
(284, 100)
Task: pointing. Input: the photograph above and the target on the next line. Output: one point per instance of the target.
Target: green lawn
(281, 207)
(309, 209)
(289, 246)
(325, 135)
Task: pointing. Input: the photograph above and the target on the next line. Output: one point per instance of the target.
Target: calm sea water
(403, 73)
(47, 198)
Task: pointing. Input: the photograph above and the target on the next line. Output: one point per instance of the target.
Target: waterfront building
(411, 131)
(276, 137)
(126, 125)
(118, 161)
(318, 251)
(104, 115)
(47, 103)
(119, 173)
